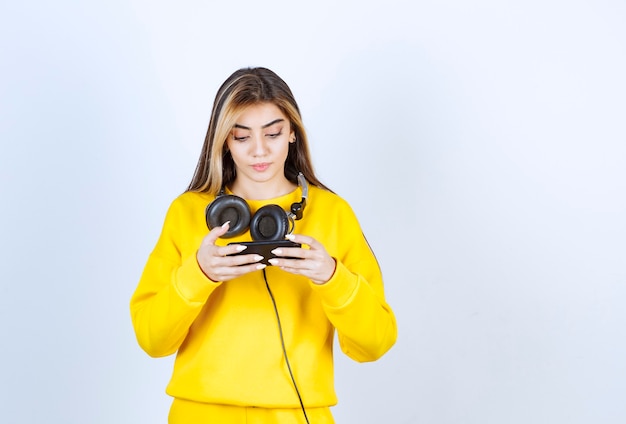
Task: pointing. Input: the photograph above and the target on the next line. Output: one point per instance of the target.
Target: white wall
(482, 145)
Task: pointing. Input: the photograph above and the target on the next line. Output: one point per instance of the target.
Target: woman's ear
(292, 137)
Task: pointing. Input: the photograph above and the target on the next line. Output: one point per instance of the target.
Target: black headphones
(270, 222)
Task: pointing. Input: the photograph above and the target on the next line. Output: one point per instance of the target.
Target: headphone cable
(282, 342)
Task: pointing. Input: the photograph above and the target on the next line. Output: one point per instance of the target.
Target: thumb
(217, 232)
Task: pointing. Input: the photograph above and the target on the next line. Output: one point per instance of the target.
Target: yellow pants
(187, 412)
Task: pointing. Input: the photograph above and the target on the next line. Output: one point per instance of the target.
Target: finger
(219, 261)
(291, 252)
(318, 272)
(302, 239)
(242, 260)
(230, 249)
(217, 232)
(285, 265)
(229, 273)
(227, 268)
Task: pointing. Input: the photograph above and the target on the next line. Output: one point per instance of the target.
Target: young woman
(253, 337)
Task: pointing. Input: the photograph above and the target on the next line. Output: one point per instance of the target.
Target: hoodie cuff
(191, 283)
(340, 289)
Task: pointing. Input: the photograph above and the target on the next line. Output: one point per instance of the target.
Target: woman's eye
(274, 135)
(242, 138)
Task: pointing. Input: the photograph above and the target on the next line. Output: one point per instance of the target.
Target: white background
(482, 145)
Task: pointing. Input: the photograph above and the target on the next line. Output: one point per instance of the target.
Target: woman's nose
(259, 147)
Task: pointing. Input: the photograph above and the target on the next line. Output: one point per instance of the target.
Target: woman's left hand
(314, 262)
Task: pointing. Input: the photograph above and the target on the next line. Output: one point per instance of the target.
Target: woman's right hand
(215, 262)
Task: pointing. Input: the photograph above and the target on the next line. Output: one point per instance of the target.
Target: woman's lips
(260, 167)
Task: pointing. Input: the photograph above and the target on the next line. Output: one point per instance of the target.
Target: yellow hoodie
(226, 334)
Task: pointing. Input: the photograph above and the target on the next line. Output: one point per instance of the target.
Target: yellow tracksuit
(225, 334)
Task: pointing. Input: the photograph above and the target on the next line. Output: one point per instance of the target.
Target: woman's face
(259, 143)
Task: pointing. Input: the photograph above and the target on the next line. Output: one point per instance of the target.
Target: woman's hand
(215, 262)
(314, 263)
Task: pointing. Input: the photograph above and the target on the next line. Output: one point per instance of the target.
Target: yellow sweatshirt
(226, 334)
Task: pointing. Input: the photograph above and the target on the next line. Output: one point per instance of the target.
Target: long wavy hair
(246, 87)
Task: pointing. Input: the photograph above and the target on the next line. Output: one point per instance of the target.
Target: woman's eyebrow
(275, 121)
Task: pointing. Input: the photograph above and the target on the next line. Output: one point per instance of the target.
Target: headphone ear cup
(269, 223)
(228, 208)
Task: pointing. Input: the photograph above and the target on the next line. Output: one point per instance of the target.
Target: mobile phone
(264, 248)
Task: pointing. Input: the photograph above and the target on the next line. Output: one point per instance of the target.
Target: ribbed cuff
(192, 284)
(340, 289)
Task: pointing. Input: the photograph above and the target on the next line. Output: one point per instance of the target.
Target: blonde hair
(246, 87)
